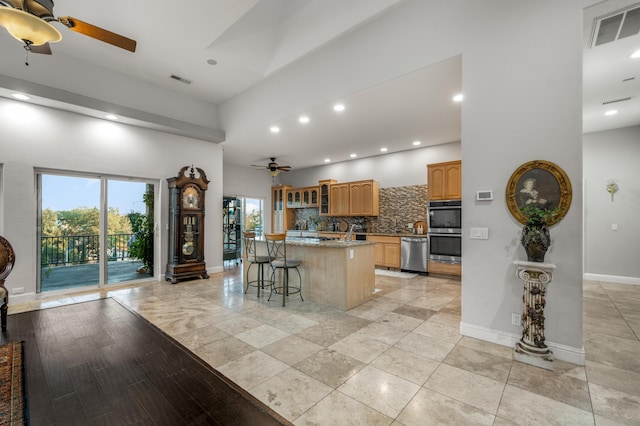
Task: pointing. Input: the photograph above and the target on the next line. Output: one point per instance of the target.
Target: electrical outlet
(515, 319)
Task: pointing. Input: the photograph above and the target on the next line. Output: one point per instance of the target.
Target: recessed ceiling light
(416, 143)
(611, 112)
(353, 155)
(338, 107)
(212, 62)
(636, 54)
(458, 98)
(275, 129)
(383, 149)
(327, 160)
(303, 119)
(20, 96)
(111, 117)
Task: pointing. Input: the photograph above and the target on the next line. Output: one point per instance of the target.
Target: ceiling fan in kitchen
(273, 167)
(29, 21)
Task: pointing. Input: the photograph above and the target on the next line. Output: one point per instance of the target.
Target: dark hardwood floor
(96, 363)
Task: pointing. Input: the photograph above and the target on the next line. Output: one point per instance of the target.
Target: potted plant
(141, 246)
(314, 222)
(535, 233)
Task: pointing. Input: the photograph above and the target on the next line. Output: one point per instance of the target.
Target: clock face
(190, 198)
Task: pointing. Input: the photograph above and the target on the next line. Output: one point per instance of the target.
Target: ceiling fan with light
(273, 167)
(29, 21)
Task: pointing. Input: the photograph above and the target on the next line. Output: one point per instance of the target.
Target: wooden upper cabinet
(325, 190)
(444, 181)
(302, 197)
(339, 199)
(361, 198)
(310, 196)
(280, 218)
(364, 198)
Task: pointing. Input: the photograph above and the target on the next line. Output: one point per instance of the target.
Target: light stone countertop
(303, 242)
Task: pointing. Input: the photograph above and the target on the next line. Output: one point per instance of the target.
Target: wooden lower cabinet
(386, 251)
(444, 268)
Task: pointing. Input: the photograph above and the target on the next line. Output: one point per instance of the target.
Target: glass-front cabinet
(325, 193)
(279, 214)
(302, 197)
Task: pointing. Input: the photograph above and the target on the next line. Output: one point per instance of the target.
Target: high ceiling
(226, 47)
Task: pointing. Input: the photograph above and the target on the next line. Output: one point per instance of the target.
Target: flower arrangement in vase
(535, 233)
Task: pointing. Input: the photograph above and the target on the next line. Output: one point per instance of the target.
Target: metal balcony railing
(80, 249)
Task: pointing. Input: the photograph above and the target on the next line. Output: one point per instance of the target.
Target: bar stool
(251, 255)
(277, 247)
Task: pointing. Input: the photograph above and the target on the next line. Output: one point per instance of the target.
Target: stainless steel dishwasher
(414, 253)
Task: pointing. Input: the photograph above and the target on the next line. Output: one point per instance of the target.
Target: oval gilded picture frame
(541, 183)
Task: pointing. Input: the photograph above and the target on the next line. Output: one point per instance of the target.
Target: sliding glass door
(130, 231)
(82, 217)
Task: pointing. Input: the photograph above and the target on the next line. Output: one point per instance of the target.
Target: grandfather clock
(186, 225)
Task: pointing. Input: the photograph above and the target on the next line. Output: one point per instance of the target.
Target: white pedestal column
(531, 348)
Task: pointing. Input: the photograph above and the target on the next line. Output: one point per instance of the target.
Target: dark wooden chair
(7, 259)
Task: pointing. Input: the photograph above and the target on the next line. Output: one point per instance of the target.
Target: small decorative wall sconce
(612, 187)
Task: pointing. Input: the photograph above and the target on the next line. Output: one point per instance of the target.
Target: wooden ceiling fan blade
(98, 33)
(43, 49)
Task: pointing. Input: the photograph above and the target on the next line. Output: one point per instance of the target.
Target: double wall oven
(445, 231)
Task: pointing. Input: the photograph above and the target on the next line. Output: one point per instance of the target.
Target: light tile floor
(397, 360)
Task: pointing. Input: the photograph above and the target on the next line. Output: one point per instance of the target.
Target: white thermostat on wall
(484, 195)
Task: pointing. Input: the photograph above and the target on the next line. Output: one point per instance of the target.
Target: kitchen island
(334, 272)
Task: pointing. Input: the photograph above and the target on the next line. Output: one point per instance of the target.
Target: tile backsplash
(398, 207)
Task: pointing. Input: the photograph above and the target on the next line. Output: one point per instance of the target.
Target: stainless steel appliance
(445, 216)
(445, 231)
(414, 252)
(446, 248)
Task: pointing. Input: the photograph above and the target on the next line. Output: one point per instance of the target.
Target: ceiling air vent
(180, 79)
(613, 101)
(621, 24)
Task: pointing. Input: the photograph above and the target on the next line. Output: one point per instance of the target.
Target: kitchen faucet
(347, 237)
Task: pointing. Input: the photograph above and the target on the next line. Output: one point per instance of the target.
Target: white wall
(391, 170)
(38, 137)
(251, 183)
(612, 255)
(521, 68)
(140, 99)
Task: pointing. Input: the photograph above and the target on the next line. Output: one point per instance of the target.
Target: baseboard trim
(17, 299)
(560, 352)
(215, 269)
(612, 279)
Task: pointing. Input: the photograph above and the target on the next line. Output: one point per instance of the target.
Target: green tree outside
(253, 221)
(82, 221)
